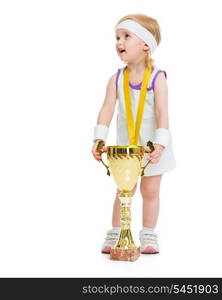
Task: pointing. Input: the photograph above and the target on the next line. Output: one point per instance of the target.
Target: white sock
(116, 229)
(148, 229)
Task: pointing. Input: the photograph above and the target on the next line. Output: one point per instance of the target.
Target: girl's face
(129, 47)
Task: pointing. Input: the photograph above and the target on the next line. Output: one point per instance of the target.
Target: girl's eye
(126, 35)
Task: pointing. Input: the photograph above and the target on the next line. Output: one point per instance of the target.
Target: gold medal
(132, 131)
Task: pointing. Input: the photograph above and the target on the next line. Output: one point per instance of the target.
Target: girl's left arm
(161, 101)
(161, 112)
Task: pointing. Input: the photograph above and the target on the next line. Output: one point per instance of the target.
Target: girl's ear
(146, 48)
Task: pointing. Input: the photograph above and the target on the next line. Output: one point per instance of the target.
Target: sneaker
(149, 243)
(110, 240)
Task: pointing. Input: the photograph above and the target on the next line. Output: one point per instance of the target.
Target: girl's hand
(154, 157)
(97, 154)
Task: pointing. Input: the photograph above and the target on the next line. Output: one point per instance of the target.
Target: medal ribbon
(132, 131)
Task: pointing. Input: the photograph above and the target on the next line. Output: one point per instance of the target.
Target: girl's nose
(119, 43)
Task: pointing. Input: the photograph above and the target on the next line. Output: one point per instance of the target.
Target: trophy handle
(99, 149)
(149, 144)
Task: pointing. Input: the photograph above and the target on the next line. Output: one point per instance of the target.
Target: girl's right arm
(106, 112)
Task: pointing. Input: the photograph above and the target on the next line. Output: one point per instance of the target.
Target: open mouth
(122, 50)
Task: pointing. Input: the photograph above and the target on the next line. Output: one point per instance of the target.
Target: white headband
(140, 31)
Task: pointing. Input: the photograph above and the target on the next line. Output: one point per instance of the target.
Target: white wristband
(100, 132)
(162, 136)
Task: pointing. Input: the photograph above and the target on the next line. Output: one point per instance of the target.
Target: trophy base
(125, 255)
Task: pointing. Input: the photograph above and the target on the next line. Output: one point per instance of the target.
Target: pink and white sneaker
(110, 240)
(149, 243)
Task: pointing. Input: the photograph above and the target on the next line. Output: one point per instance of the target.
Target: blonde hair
(151, 25)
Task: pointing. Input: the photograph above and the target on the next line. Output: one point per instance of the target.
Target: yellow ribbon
(134, 133)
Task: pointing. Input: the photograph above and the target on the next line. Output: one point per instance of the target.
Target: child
(137, 36)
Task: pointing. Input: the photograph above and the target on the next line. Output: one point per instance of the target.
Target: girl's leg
(116, 209)
(150, 188)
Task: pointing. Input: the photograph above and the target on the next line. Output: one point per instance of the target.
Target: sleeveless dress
(148, 125)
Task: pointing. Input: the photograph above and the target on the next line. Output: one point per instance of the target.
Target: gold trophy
(125, 165)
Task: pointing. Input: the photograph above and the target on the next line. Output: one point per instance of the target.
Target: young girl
(137, 36)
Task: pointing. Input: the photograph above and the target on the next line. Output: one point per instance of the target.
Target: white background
(55, 199)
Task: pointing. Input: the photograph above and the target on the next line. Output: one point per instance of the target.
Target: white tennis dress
(148, 125)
